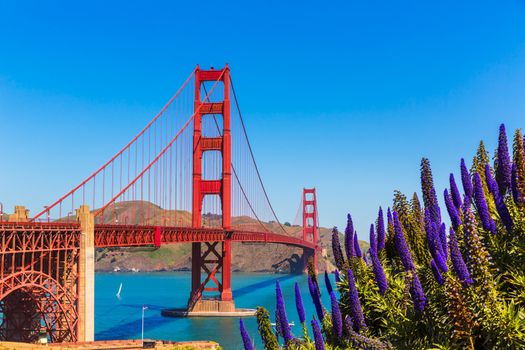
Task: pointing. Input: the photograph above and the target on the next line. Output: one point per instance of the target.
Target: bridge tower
(310, 224)
(213, 258)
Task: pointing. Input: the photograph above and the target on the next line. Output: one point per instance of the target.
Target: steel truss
(39, 281)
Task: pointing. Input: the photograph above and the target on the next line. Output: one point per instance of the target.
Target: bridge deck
(129, 235)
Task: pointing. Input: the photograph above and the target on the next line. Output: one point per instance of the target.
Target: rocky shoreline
(247, 257)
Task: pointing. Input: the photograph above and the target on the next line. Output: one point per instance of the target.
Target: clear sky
(345, 96)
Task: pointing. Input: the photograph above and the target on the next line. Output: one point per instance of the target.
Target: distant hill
(247, 257)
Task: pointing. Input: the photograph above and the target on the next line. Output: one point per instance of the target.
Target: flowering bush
(426, 288)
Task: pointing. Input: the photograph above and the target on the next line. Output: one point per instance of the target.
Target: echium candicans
(517, 196)
(337, 318)
(327, 282)
(337, 277)
(458, 264)
(466, 180)
(418, 295)
(379, 272)
(477, 257)
(502, 162)
(481, 206)
(501, 207)
(248, 345)
(463, 321)
(454, 192)
(318, 336)
(381, 234)
(336, 248)
(435, 271)
(314, 293)
(299, 304)
(429, 192)
(401, 245)
(518, 166)
(443, 240)
(281, 312)
(355, 305)
(264, 325)
(434, 242)
(373, 242)
(357, 249)
(359, 341)
(349, 238)
(455, 219)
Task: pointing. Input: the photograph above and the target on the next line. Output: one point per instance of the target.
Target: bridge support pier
(309, 254)
(211, 261)
(86, 269)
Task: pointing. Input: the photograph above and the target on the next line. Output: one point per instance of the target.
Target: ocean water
(121, 319)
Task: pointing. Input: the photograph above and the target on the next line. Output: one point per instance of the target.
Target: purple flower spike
(435, 271)
(503, 163)
(336, 248)
(379, 273)
(452, 210)
(429, 192)
(337, 278)
(434, 242)
(517, 196)
(481, 206)
(327, 283)
(355, 305)
(443, 240)
(314, 293)
(349, 238)
(357, 249)
(380, 231)
(501, 207)
(318, 336)
(389, 219)
(401, 245)
(460, 268)
(281, 312)
(467, 182)
(365, 259)
(373, 242)
(248, 345)
(337, 319)
(454, 192)
(418, 296)
(299, 304)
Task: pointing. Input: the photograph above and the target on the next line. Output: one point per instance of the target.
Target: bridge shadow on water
(259, 285)
(131, 328)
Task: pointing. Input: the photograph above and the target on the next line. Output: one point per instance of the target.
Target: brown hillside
(247, 257)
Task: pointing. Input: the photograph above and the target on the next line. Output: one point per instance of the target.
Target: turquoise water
(121, 319)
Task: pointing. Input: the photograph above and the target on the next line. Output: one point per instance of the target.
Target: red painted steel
(128, 236)
(141, 197)
(39, 281)
(220, 187)
(310, 220)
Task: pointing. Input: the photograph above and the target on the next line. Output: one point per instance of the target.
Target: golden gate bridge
(189, 176)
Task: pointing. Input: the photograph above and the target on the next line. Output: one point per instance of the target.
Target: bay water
(122, 318)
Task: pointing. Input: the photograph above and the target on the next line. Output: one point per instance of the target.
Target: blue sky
(346, 96)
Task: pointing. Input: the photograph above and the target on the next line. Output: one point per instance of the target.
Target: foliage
(428, 289)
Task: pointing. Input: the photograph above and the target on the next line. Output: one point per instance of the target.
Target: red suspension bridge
(181, 179)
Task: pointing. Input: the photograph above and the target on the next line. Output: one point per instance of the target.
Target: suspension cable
(253, 158)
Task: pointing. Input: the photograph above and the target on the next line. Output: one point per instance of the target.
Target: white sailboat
(119, 290)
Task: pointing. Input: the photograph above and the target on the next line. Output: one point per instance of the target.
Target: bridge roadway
(132, 235)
